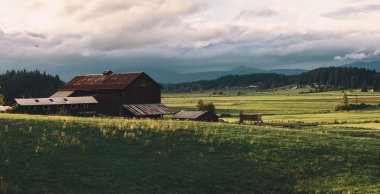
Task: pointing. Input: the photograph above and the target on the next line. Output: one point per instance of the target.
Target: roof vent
(107, 72)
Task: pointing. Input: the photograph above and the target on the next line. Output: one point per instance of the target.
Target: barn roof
(148, 109)
(55, 101)
(184, 114)
(103, 81)
(62, 94)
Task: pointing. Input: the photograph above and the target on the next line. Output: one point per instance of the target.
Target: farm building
(132, 94)
(78, 105)
(5, 106)
(196, 116)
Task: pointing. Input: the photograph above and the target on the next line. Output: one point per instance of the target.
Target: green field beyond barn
(58, 154)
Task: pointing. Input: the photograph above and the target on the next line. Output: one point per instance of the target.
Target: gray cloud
(140, 35)
(347, 11)
(36, 35)
(262, 13)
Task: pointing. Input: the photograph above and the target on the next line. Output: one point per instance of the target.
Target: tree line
(330, 77)
(28, 84)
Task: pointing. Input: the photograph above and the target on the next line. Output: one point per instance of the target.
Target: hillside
(367, 65)
(332, 77)
(165, 76)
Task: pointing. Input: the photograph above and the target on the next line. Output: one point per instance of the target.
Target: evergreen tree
(364, 88)
(375, 86)
(1, 97)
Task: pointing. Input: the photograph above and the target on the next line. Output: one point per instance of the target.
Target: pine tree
(375, 86)
(364, 87)
(1, 97)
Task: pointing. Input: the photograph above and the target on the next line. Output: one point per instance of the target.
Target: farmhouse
(132, 94)
(196, 116)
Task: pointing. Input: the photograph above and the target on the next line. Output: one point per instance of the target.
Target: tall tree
(207, 107)
(364, 87)
(1, 97)
(375, 86)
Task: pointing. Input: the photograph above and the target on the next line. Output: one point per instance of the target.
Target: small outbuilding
(78, 105)
(196, 116)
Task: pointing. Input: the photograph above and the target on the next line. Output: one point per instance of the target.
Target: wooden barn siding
(54, 108)
(207, 117)
(109, 101)
(142, 91)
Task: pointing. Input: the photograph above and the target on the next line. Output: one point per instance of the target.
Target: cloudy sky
(69, 37)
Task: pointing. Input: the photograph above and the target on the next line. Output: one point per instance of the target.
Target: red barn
(132, 94)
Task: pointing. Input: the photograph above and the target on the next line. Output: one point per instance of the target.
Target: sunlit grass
(49, 154)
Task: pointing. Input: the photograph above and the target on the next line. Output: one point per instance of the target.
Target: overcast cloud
(68, 37)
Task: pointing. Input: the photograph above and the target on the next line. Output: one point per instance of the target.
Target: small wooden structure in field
(256, 118)
(196, 116)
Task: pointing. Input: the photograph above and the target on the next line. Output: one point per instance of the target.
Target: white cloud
(357, 56)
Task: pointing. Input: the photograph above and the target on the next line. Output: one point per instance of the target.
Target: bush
(340, 107)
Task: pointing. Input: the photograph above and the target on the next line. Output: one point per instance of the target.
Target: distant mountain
(165, 76)
(288, 71)
(367, 65)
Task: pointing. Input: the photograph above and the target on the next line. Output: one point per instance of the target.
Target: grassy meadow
(60, 154)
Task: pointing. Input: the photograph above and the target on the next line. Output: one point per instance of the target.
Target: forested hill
(340, 77)
(343, 77)
(28, 84)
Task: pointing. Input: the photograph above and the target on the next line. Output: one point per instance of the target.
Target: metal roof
(100, 81)
(55, 101)
(62, 94)
(148, 109)
(184, 114)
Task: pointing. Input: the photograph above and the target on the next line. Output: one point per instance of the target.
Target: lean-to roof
(148, 109)
(184, 114)
(55, 101)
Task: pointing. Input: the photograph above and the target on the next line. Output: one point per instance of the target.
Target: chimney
(107, 72)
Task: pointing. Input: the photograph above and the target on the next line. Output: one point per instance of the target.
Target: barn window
(51, 100)
(32, 107)
(36, 100)
(85, 105)
(46, 107)
(60, 106)
(74, 106)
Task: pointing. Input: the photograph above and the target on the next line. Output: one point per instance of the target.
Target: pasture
(282, 105)
(59, 154)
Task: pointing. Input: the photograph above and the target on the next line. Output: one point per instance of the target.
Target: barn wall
(143, 90)
(109, 101)
(67, 107)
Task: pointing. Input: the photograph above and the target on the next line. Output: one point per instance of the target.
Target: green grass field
(59, 154)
